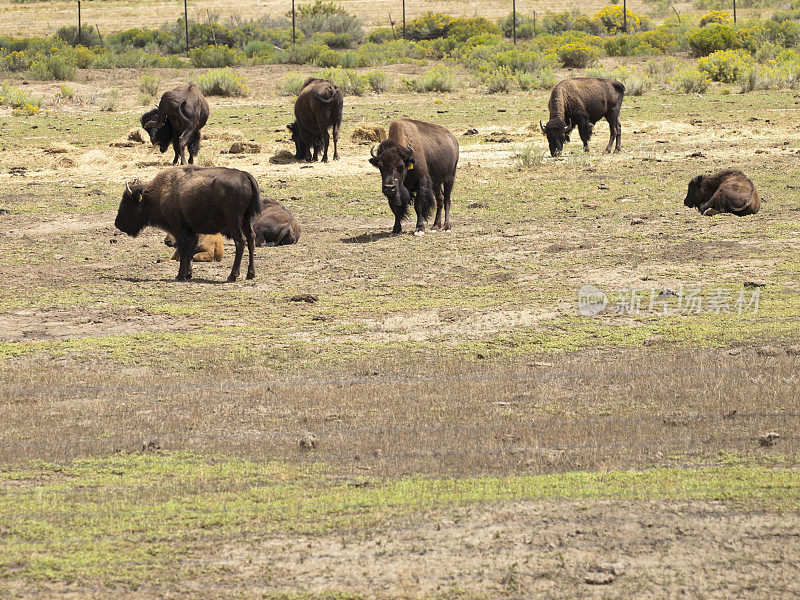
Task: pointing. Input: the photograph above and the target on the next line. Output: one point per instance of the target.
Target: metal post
(186, 24)
(625, 16)
(734, 11)
(404, 19)
(514, 17)
(79, 22)
(294, 38)
(534, 23)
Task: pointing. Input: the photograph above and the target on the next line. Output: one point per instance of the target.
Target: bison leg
(326, 140)
(183, 141)
(175, 147)
(448, 189)
(335, 142)
(585, 131)
(619, 138)
(186, 243)
(437, 192)
(251, 242)
(237, 261)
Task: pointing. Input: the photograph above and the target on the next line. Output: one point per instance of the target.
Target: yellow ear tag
(410, 166)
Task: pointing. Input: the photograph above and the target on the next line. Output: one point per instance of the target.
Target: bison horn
(372, 152)
(410, 150)
(542, 126)
(128, 187)
(569, 125)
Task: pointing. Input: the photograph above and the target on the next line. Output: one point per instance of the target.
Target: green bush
(691, 81)
(69, 34)
(613, 19)
(544, 80)
(499, 80)
(290, 84)
(16, 61)
(222, 82)
(464, 28)
(380, 35)
(215, 57)
(438, 79)
(149, 84)
(21, 102)
(378, 81)
(326, 17)
(726, 66)
(715, 16)
(428, 26)
(577, 54)
(555, 23)
(347, 80)
(713, 38)
(636, 83)
(327, 58)
(524, 26)
(51, 67)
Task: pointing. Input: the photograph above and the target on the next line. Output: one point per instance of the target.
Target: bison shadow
(366, 238)
(168, 280)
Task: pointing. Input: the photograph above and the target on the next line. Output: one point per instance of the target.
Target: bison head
(557, 132)
(302, 151)
(394, 162)
(162, 136)
(131, 216)
(694, 197)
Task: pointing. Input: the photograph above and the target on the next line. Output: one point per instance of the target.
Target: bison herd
(417, 163)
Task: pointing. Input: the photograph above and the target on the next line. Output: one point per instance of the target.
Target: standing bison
(188, 201)
(178, 119)
(276, 226)
(418, 163)
(726, 191)
(318, 107)
(582, 102)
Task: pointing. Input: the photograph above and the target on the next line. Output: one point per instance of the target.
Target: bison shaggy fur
(318, 107)
(276, 226)
(728, 191)
(180, 115)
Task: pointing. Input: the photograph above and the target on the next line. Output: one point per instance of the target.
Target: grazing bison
(188, 201)
(209, 248)
(318, 107)
(276, 226)
(418, 163)
(726, 191)
(178, 119)
(582, 102)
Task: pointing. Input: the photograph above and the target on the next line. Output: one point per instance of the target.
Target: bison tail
(254, 208)
(618, 86)
(322, 99)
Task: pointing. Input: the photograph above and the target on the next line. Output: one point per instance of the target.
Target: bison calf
(209, 248)
(188, 201)
(726, 191)
(418, 163)
(581, 102)
(276, 226)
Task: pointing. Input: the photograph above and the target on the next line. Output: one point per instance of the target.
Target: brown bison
(318, 107)
(276, 226)
(726, 191)
(178, 119)
(418, 163)
(188, 201)
(209, 248)
(582, 102)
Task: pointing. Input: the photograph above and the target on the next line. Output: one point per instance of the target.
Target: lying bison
(318, 107)
(276, 226)
(726, 191)
(188, 201)
(582, 102)
(418, 163)
(178, 119)
(209, 248)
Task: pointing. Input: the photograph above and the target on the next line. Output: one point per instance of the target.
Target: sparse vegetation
(222, 82)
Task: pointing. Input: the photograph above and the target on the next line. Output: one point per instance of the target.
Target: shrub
(215, 56)
(69, 34)
(712, 38)
(347, 80)
(222, 82)
(438, 79)
(81, 57)
(55, 66)
(66, 92)
(524, 26)
(21, 102)
(290, 84)
(149, 84)
(691, 81)
(428, 26)
(381, 35)
(556, 23)
(327, 58)
(613, 19)
(16, 61)
(529, 157)
(462, 29)
(326, 17)
(726, 66)
(499, 80)
(109, 103)
(378, 81)
(715, 16)
(576, 54)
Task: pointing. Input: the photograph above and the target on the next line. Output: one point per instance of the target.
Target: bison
(726, 191)
(582, 102)
(418, 163)
(188, 201)
(318, 107)
(209, 248)
(276, 226)
(178, 119)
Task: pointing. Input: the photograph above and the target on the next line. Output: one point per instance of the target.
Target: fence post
(625, 16)
(514, 18)
(294, 38)
(186, 24)
(734, 11)
(79, 23)
(404, 19)
(534, 23)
